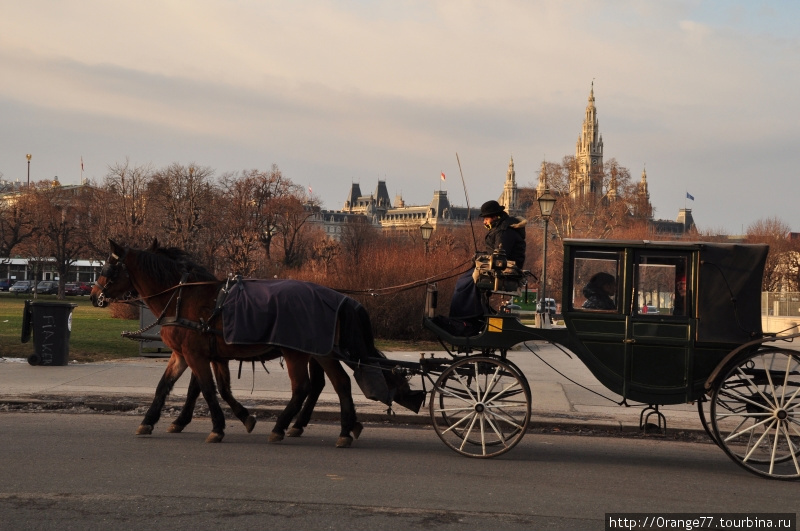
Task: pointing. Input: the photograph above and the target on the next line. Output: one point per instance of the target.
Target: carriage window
(660, 285)
(594, 281)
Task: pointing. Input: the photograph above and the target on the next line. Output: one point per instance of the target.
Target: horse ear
(116, 248)
(154, 245)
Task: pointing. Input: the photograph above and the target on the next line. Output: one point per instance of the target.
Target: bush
(397, 263)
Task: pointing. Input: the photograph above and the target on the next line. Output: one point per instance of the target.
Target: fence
(780, 304)
(780, 311)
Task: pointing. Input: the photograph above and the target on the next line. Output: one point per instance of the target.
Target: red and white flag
(443, 177)
(309, 190)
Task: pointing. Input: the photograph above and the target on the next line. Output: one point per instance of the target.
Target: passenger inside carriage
(599, 292)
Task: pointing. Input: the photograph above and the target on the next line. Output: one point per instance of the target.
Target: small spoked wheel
(481, 406)
(755, 413)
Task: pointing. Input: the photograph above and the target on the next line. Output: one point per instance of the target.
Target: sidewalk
(126, 385)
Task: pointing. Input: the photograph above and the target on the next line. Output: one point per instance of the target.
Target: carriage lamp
(547, 202)
(427, 230)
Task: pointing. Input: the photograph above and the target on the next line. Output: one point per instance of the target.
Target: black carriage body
(663, 353)
(655, 346)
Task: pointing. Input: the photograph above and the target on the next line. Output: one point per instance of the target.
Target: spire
(511, 174)
(542, 180)
(587, 180)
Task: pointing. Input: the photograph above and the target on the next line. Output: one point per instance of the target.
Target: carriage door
(658, 332)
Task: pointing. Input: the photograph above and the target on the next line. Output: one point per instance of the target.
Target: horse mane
(172, 262)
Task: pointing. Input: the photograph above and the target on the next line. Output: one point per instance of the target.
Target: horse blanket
(302, 316)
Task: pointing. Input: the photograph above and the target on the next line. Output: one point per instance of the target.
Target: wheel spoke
(793, 448)
(468, 432)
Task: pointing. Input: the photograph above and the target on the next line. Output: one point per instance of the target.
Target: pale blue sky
(334, 92)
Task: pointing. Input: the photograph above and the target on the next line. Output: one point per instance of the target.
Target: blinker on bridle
(110, 271)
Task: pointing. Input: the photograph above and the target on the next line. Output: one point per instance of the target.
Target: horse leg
(185, 416)
(175, 368)
(297, 367)
(341, 383)
(317, 376)
(223, 376)
(205, 380)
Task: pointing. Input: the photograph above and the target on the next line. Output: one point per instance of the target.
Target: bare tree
(242, 222)
(773, 232)
(357, 235)
(61, 217)
(124, 202)
(182, 200)
(291, 222)
(16, 221)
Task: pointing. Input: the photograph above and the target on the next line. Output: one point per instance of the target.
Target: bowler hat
(491, 208)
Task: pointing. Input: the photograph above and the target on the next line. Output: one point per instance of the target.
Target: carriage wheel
(481, 406)
(755, 413)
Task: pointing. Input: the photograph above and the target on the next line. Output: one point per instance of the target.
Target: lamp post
(426, 229)
(546, 203)
(28, 156)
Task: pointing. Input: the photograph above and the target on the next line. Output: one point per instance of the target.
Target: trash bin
(50, 323)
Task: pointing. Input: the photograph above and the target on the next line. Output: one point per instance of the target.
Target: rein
(392, 290)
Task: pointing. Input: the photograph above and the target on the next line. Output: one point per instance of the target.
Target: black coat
(510, 232)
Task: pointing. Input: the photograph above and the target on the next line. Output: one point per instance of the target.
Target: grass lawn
(95, 335)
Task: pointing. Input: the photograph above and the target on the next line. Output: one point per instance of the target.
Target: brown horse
(184, 296)
(124, 290)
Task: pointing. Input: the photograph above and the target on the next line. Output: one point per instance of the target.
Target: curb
(541, 421)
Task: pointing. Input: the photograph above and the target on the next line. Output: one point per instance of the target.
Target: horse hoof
(294, 432)
(344, 442)
(275, 437)
(175, 428)
(214, 437)
(250, 423)
(145, 429)
(357, 429)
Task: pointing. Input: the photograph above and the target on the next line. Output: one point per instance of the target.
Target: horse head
(114, 281)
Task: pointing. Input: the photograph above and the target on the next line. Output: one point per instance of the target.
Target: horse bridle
(111, 272)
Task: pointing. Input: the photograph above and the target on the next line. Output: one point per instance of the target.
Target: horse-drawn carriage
(680, 323)
(684, 325)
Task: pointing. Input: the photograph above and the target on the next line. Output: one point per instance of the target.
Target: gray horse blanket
(302, 316)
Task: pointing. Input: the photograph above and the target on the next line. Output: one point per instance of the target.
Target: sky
(701, 94)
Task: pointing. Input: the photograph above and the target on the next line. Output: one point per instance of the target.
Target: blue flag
(689, 196)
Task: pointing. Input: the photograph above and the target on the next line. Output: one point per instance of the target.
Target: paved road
(64, 471)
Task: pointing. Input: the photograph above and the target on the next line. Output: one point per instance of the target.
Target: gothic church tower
(509, 199)
(586, 180)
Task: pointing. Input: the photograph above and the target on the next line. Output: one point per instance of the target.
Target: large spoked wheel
(755, 413)
(481, 406)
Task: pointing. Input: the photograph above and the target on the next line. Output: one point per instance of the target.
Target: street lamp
(546, 203)
(28, 156)
(427, 230)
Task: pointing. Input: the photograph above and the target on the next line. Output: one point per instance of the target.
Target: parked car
(77, 288)
(5, 284)
(21, 286)
(84, 287)
(549, 304)
(71, 288)
(46, 287)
